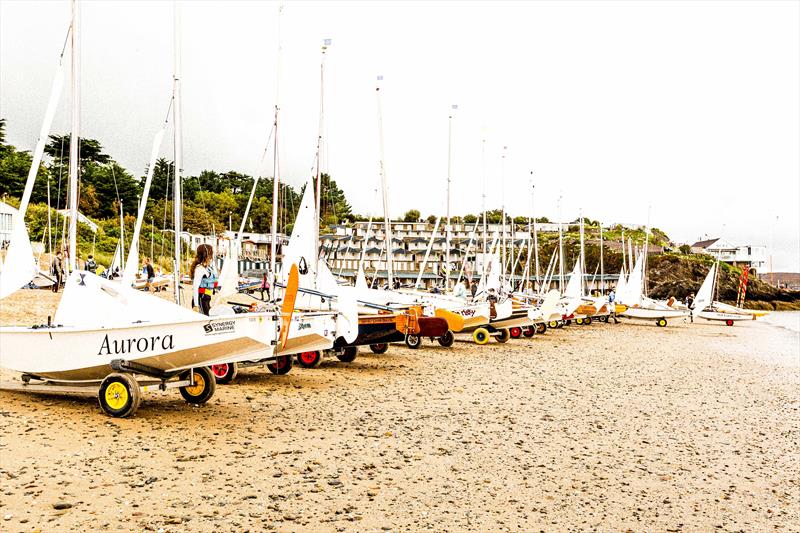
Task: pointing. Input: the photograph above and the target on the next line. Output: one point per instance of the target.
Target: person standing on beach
(57, 270)
(91, 265)
(149, 274)
(204, 279)
(264, 286)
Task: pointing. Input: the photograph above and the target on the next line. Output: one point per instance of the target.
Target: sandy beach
(601, 427)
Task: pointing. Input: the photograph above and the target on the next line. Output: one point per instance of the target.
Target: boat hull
(310, 332)
(85, 354)
(646, 313)
(716, 316)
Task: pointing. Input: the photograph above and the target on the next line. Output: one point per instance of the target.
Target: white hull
(647, 313)
(310, 332)
(85, 354)
(718, 316)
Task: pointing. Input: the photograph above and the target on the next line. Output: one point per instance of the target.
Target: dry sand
(606, 427)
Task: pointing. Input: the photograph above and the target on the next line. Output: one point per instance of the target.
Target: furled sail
(573, 289)
(302, 248)
(705, 294)
(20, 266)
(132, 264)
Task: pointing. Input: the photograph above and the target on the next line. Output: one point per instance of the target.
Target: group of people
(58, 269)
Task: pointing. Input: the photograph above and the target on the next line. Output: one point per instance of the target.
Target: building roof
(705, 244)
(347, 249)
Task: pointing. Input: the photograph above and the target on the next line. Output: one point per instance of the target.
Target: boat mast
(275, 177)
(644, 264)
(535, 242)
(447, 222)
(121, 236)
(582, 257)
(385, 187)
(74, 143)
(178, 146)
(560, 250)
(602, 269)
(325, 45)
(503, 220)
(483, 204)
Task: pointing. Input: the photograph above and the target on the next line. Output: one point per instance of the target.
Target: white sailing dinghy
(641, 307)
(106, 333)
(707, 308)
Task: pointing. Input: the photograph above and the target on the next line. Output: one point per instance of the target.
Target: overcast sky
(689, 107)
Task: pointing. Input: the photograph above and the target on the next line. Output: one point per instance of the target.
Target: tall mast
(582, 255)
(122, 236)
(503, 215)
(275, 178)
(447, 223)
(560, 250)
(535, 239)
(602, 268)
(385, 187)
(530, 238)
(74, 143)
(325, 45)
(646, 243)
(483, 204)
(178, 142)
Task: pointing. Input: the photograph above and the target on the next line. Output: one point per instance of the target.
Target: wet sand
(607, 427)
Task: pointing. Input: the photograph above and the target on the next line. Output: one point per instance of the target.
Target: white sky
(690, 107)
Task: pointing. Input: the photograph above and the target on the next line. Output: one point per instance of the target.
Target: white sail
(116, 262)
(705, 294)
(361, 279)
(302, 248)
(91, 301)
(20, 267)
(573, 289)
(133, 254)
(620, 288)
(346, 302)
(633, 287)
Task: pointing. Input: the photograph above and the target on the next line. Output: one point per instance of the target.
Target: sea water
(789, 320)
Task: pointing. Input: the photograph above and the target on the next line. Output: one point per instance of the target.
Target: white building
(754, 256)
(7, 214)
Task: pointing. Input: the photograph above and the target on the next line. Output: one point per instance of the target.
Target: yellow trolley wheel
(579, 321)
(204, 385)
(119, 395)
(661, 322)
(553, 324)
(480, 336)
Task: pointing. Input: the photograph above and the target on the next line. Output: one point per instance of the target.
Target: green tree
(162, 179)
(334, 206)
(111, 183)
(90, 151)
(412, 215)
(470, 219)
(685, 249)
(14, 167)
